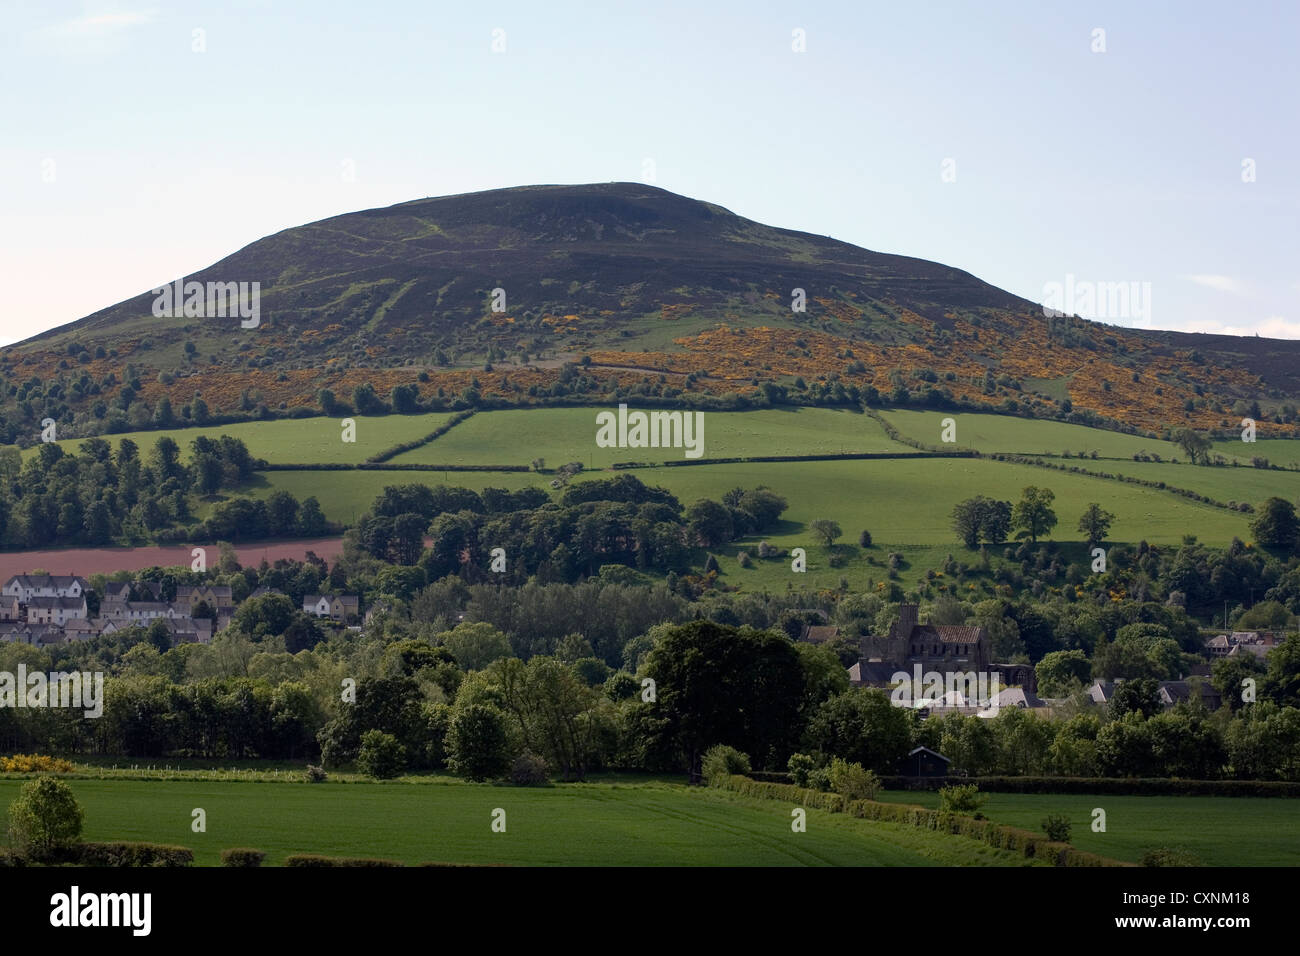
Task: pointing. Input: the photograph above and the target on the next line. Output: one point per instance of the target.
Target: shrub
(1170, 856)
(45, 818)
(852, 781)
(316, 774)
(242, 856)
(381, 756)
(1120, 786)
(819, 779)
(800, 766)
(1028, 845)
(864, 539)
(128, 854)
(1057, 827)
(312, 859)
(35, 763)
(720, 762)
(963, 798)
(529, 770)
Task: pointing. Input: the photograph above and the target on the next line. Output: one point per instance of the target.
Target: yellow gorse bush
(35, 763)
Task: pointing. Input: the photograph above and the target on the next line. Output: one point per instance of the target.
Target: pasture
(293, 441)
(901, 501)
(1221, 831)
(560, 435)
(444, 820)
(1279, 451)
(1027, 436)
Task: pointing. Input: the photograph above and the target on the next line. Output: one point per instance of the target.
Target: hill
(594, 292)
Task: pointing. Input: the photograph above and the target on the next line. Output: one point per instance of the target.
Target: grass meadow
(1221, 831)
(901, 501)
(904, 502)
(1026, 436)
(560, 435)
(449, 821)
(294, 441)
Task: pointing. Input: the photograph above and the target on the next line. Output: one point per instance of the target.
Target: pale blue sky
(1115, 166)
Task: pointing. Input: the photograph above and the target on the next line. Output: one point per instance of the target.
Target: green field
(1222, 482)
(345, 495)
(1222, 831)
(295, 441)
(904, 502)
(901, 501)
(449, 821)
(559, 435)
(1279, 451)
(1028, 436)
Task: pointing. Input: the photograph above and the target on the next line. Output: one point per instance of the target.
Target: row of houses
(53, 609)
(1170, 693)
(1239, 643)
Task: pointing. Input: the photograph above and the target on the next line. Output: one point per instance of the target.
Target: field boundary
(1126, 479)
(828, 456)
(1025, 842)
(390, 466)
(437, 433)
(1107, 786)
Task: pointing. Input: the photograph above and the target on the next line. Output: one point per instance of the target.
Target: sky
(1050, 149)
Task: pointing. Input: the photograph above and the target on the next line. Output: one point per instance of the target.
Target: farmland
(560, 435)
(1221, 831)
(444, 820)
(295, 441)
(1223, 483)
(905, 502)
(1279, 451)
(88, 561)
(898, 500)
(1029, 436)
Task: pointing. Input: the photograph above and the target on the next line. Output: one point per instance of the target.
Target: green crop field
(450, 821)
(345, 495)
(1221, 831)
(559, 435)
(902, 501)
(1279, 451)
(1222, 482)
(295, 441)
(1028, 436)
(910, 501)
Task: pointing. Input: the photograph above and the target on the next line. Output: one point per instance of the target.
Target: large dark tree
(1276, 525)
(722, 685)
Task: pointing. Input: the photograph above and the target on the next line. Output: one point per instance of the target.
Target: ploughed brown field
(88, 561)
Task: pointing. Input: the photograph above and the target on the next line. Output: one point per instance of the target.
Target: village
(44, 609)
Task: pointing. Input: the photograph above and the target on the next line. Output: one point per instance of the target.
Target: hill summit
(606, 290)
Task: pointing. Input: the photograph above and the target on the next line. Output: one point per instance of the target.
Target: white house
(56, 610)
(337, 606)
(28, 586)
